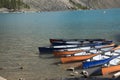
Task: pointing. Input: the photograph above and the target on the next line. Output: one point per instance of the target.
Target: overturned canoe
(80, 40)
(77, 58)
(94, 63)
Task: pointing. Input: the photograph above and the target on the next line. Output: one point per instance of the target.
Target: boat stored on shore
(105, 70)
(77, 58)
(60, 53)
(105, 53)
(60, 47)
(79, 40)
(105, 60)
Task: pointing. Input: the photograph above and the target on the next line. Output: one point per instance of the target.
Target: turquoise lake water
(22, 33)
(68, 24)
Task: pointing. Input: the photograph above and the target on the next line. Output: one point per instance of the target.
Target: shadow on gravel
(77, 78)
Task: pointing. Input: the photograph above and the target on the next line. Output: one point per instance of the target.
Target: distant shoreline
(24, 6)
(30, 11)
(5, 10)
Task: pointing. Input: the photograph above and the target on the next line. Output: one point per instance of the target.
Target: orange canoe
(77, 58)
(110, 69)
(61, 53)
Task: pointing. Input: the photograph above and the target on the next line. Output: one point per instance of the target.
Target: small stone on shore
(58, 64)
(21, 67)
(76, 72)
(85, 74)
(72, 74)
(71, 69)
(1, 68)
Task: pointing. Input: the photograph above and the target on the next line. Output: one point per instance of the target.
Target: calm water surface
(21, 34)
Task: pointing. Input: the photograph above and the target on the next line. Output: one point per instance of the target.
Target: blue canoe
(52, 48)
(97, 62)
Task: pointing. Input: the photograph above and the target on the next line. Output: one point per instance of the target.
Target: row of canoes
(92, 52)
(69, 44)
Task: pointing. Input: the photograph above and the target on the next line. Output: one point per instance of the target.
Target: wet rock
(1, 68)
(85, 74)
(21, 67)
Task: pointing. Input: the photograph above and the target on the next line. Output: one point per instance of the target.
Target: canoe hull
(106, 70)
(76, 58)
(72, 52)
(64, 40)
(97, 62)
(110, 69)
(51, 48)
(81, 44)
(62, 53)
